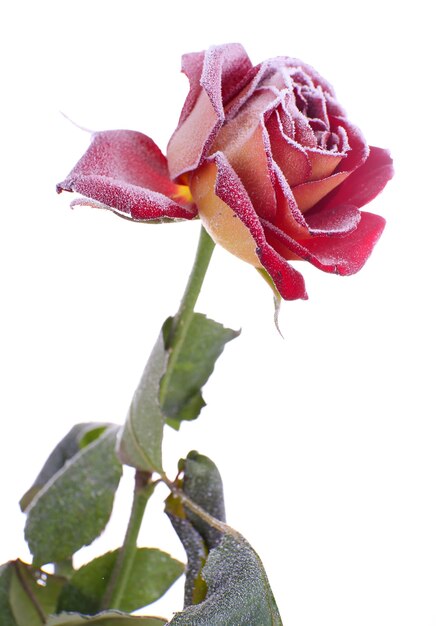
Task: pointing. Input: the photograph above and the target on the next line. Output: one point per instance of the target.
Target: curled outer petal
(126, 172)
(224, 71)
(229, 216)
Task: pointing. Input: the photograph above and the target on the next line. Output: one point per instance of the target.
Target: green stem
(198, 510)
(64, 568)
(143, 487)
(184, 315)
(124, 563)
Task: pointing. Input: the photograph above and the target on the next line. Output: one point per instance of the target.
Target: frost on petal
(230, 190)
(245, 141)
(287, 153)
(224, 70)
(365, 183)
(127, 172)
(334, 220)
(342, 255)
(136, 202)
(192, 66)
(349, 253)
(308, 194)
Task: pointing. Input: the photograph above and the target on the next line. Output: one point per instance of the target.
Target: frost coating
(140, 444)
(238, 590)
(299, 171)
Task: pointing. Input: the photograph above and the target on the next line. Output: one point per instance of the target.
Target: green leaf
(238, 590)
(141, 440)
(6, 575)
(202, 483)
(74, 506)
(27, 594)
(195, 548)
(153, 572)
(181, 396)
(78, 437)
(107, 618)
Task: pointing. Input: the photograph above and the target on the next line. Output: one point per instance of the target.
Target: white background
(326, 440)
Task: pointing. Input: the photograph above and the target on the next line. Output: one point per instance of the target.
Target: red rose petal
(229, 188)
(336, 220)
(349, 253)
(126, 171)
(308, 194)
(358, 150)
(365, 183)
(323, 163)
(289, 156)
(223, 72)
(343, 255)
(137, 202)
(192, 67)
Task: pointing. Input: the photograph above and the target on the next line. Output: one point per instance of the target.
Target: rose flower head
(264, 155)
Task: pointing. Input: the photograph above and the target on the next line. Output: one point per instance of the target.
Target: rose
(264, 155)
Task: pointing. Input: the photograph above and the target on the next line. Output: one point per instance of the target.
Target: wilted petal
(127, 172)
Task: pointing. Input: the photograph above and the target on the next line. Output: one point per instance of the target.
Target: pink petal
(224, 71)
(126, 171)
(229, 188)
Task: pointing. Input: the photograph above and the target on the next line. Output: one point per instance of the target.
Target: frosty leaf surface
(196, 552)
(204, 342)
(141, 441)
(152, 573)
(74, 506)
(78, 437)
(202, 483)
(238, 590)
